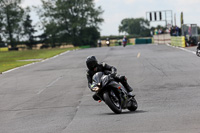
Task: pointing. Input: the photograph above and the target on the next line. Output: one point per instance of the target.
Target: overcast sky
(117, 10)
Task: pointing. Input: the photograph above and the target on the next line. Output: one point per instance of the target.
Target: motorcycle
(108, 43)
(113, 93)
(124, 44)
(198, 52)
(198, 49)
(99, 43)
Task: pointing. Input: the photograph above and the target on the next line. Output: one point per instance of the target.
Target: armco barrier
(178, 41)
(4, 49)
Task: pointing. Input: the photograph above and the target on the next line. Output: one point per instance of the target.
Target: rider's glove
(113, 75)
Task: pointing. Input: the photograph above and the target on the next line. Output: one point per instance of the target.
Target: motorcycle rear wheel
(112, 104)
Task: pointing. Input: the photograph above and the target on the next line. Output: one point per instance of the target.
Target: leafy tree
(1, 22)
(29, 31)
(12, 15)
(51, 32)
(69, 17)
(198, 30)
(89, 36)
(137, 26)
(1, 40)
(1, 27)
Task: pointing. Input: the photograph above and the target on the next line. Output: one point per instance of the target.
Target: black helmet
(91, 62)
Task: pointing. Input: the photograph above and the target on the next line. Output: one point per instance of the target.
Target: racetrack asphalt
(52, 96)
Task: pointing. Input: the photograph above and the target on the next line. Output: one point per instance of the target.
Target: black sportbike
(198, 49)
(113, 93)
(198, 52)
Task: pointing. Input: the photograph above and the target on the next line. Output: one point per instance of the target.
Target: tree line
(62, 21)
(135, 26)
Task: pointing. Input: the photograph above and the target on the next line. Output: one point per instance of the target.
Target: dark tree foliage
(135, 26)
(11, 15)
(64, 20)
(89, 36)
(29, 31)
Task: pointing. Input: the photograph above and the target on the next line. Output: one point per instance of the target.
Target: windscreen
(97, 77)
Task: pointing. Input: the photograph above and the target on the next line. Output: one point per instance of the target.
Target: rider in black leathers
(198, 45)
(94, 66)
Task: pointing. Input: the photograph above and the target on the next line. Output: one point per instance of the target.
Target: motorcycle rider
(99, 42)
(93, 67)
(108, 42)
(198, 45)
(198, 49)
(124, 41)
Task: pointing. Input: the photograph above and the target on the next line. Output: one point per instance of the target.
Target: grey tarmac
(52, 96)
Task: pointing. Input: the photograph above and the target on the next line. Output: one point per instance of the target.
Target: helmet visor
(91, 65)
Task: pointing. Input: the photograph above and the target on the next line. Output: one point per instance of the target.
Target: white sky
(117, 10)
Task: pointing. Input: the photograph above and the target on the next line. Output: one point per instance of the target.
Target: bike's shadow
(127, 112)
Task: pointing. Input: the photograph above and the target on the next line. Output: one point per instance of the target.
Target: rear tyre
(113, 102)
(134, 105)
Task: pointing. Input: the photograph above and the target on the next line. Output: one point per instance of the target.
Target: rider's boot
(126, 85)
(95, 97)
(129, 89)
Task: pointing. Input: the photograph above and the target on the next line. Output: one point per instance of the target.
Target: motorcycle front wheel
(112, 101)
(198, 53)
(134, 104)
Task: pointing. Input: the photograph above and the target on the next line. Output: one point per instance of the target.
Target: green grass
(11, 59)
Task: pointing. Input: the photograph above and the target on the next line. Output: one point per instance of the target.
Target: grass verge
(13, 59)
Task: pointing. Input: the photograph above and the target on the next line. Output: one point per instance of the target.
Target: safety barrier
(162, 39)
(131, 41)
(4, 49)
(143, 40)
(178, 41)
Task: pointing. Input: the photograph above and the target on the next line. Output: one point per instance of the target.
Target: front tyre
(134, 104)
(112, 101)
(198, 53)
